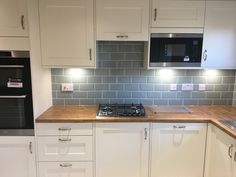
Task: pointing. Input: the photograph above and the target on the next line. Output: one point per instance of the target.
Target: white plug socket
(173, 87)
(202, 87)
(67, 87)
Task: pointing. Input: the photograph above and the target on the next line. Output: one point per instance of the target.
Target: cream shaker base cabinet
(122, 149)
(219, 42)
(220, 157)
(13, 18)
(62, 169)
(122, 20)
(65, 149)
(178, 149)
(67, 33)
(178, 13)
(17, 156)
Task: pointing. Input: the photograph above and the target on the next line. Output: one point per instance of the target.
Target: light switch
(173, 87)
(67, 87)
(202, 87)
(187, 87)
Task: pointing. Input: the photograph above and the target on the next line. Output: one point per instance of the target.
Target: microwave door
(168, 50)
(175, 51)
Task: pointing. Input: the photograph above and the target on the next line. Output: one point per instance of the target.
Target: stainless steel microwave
(175, 50)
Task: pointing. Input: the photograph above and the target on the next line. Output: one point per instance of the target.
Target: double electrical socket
(188, 87)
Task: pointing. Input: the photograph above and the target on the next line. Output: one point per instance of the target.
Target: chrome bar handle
(90, 54)
(12, 66)
(205, 55)
(64, 129)
(179, 127)
(145, 133)
(13, 96)
(64, 139)
(235, 156)
(122, 36)
(155, 14)
(30, 148)
(230, 148)
(64, 165)
(22, 22)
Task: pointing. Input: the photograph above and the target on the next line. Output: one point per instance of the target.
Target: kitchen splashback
(120, 77)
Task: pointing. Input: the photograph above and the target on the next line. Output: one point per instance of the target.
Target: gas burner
(121, 110)
(107, 110)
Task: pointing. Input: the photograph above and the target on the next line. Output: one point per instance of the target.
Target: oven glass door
(8, 75)
(16, 112)
(15, 76)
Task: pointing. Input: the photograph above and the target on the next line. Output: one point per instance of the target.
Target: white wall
(234, 98)
(41, 78)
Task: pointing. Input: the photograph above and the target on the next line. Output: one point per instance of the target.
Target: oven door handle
(13, 96)
(11, 66)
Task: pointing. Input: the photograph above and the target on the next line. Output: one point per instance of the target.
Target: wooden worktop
(73, 114)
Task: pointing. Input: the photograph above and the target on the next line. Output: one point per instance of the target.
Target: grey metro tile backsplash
(120, 77)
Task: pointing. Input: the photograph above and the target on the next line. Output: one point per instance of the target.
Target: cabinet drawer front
(64, 129)
(65, 148)
(72, 169)
(180, 126)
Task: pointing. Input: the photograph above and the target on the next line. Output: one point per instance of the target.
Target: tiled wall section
(121, 78)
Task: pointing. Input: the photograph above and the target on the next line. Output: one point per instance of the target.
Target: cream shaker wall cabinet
(67, 33)
(178, 13)
(13, 18)
(219, 41)
(119, 20)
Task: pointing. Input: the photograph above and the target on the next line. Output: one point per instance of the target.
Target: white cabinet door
(65, 148)
(219, 44)
(122, 149)
(219, 156)
(67, 33)
(178, 13)
(17, 157)
(178, 150)
(13, 18)
(122, 19)
(62, 169)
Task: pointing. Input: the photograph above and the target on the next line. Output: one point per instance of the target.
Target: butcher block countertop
(197, 114)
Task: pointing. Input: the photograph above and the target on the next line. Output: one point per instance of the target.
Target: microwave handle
(205, 55)
(13, 96)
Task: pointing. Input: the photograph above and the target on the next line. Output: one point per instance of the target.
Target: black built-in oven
(16, 107)
(176, 50)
